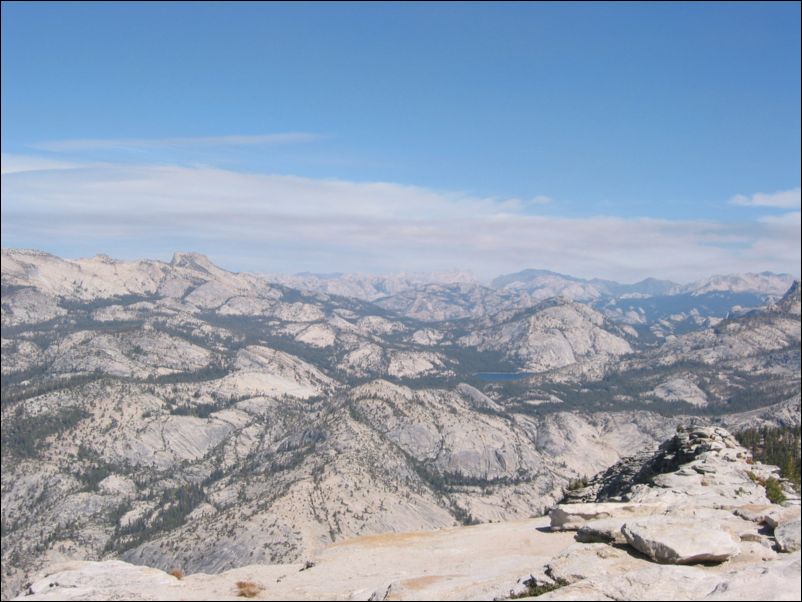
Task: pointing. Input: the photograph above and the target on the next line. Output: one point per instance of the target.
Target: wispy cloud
(792, 218)
(518, 205)
(18, 163)
(288, 223)
(784, 199)
(90, 144)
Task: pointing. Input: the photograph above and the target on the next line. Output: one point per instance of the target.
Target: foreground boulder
(603, 530)
(570, 517)
(768, 514)
(671, 540)
(788, 536)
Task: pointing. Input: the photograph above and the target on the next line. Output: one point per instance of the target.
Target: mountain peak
(192, 260)
(103, 258)
(790, 302)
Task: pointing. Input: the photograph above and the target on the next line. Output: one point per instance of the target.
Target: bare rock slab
(650, 583)
(772, 580)
(84, 579)
(584, 561)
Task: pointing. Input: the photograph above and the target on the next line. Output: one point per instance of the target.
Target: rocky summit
(692, 523)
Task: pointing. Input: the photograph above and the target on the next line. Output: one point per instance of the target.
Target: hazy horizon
(433, 275)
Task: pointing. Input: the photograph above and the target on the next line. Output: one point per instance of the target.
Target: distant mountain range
(178, 414)
(551, 284)
(454, 295)
(538, 283)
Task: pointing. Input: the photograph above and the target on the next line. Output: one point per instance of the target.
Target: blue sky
(416, 136)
